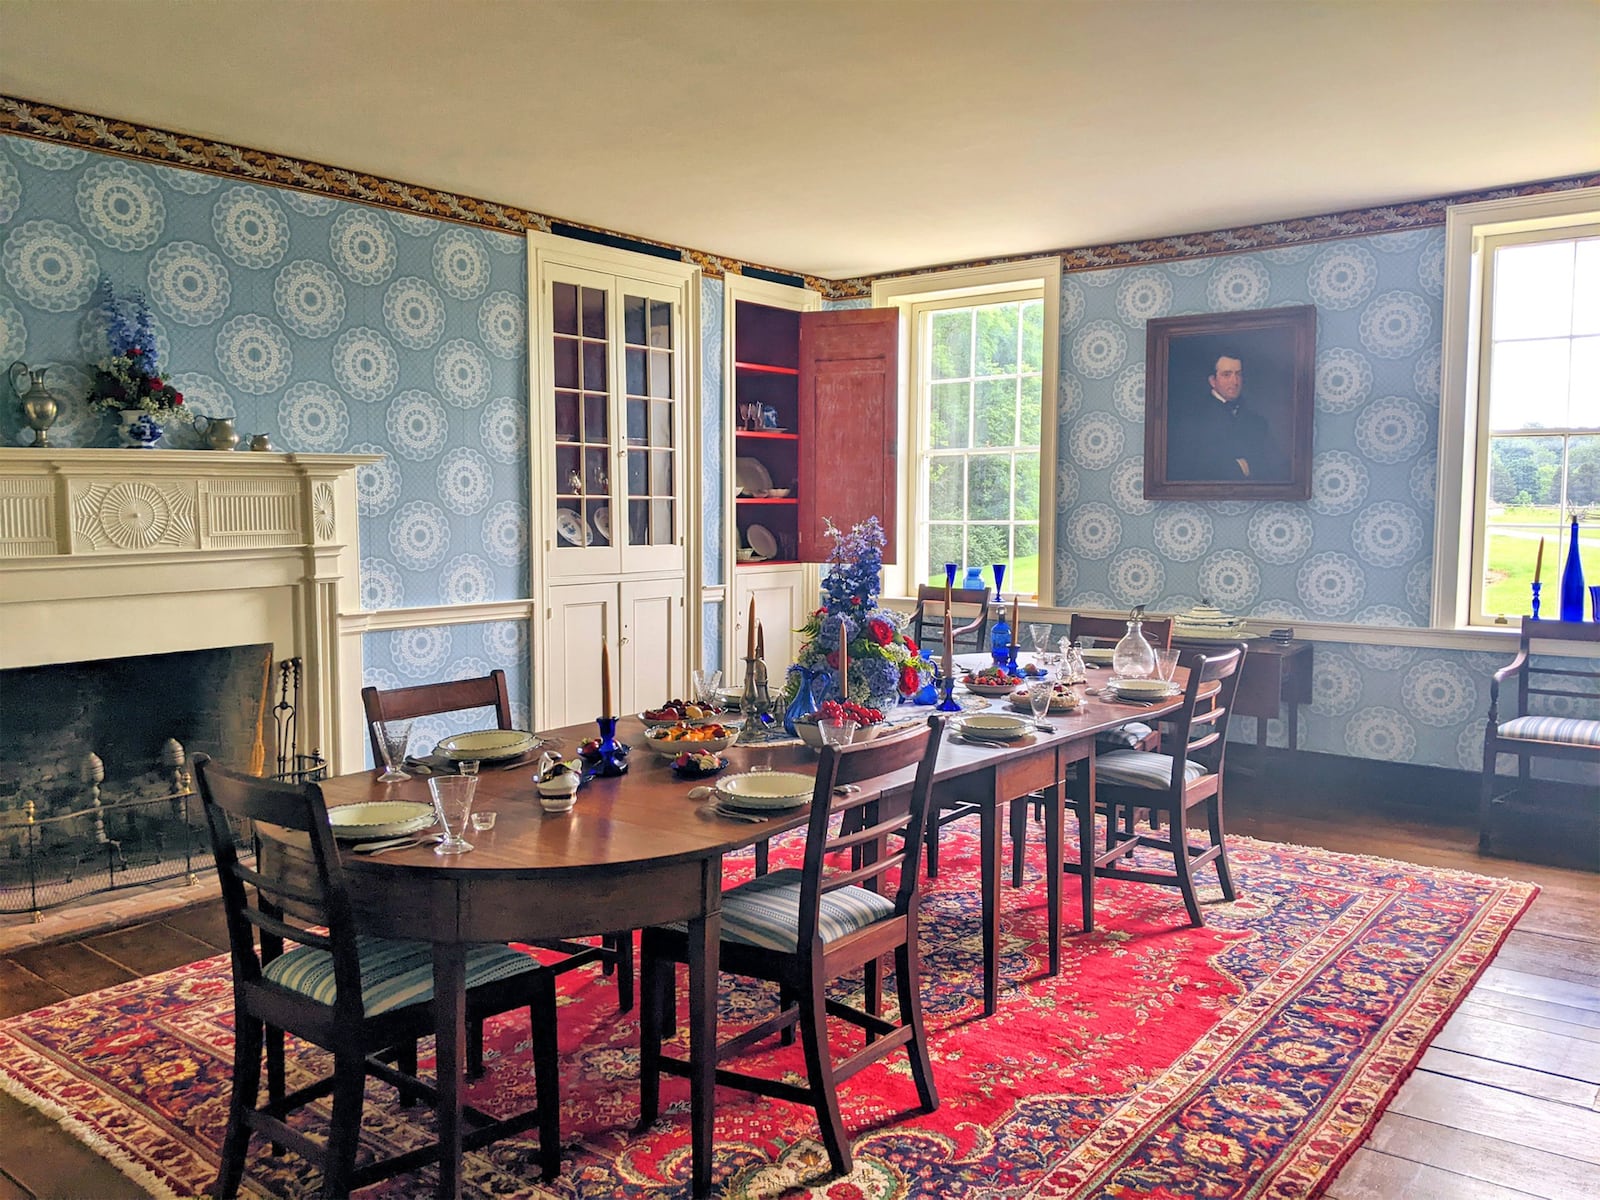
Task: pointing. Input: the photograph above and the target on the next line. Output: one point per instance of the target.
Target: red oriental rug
(1246, 1059)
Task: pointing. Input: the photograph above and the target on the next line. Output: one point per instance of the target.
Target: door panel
(780, 609)
(581, 617)
(652, 643)
(849, 424)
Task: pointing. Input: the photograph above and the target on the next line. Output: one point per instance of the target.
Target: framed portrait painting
(1229, 399)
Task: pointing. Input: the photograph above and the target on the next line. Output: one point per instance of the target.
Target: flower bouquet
(129, 382)
(883, 662)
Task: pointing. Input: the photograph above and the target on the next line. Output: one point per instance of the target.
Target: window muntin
(979, 404)
(1538, 410)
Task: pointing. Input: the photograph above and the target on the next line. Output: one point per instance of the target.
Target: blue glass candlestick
(999, 574)
(950, 575)
(1011, 658)
(948, 704)
(1535, 614)
(611, 756)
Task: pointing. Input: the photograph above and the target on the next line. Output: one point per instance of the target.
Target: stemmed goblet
(1167, 664)
(393, 736)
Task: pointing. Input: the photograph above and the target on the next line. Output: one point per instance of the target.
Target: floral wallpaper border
(49, 123)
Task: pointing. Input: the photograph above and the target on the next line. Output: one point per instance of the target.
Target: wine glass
(705, 684)
(452, 801)
(393, 737)
(835, 732)
(1167, 664)
(1039, 696)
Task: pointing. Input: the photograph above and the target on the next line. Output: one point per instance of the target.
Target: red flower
(833, 659)
(910, 681)
(134, 351)
(177, 398)
(882, 632)
(855, 599)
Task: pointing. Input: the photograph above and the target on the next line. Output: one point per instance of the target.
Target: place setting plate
(379, 819)
(994, 729)
(487, 745)
(764, 791)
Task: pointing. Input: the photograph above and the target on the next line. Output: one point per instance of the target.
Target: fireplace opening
(94, 764)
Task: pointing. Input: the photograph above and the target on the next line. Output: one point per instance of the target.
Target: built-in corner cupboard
(813, 429)
(612, 348)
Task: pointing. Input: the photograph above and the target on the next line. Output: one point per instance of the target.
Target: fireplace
(121, 555)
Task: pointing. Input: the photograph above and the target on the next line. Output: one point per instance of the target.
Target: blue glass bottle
(1572, 581)
(1000, 631)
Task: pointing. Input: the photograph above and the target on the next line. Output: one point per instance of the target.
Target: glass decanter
(1134, 658)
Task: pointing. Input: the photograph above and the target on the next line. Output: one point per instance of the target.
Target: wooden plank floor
(1505, 1104)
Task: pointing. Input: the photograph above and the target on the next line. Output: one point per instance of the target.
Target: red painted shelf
(765, 368)
(766, 433)
(768, 499)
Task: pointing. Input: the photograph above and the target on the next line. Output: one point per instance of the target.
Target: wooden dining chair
(801, 928)
(930, 613)
(355, 996)
(1168, 785)
(1133, 736)
(615, 951)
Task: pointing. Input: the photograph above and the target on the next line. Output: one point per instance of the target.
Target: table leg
(705, 934)
(1294, 725)
(450, 1038)
(989, 852)
(1053, 818)
(1261, 733)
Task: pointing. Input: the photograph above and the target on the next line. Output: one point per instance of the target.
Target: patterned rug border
(1305, 1168)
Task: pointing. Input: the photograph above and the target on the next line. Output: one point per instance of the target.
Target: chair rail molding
(118, 553)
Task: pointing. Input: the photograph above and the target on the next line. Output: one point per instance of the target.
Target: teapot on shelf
(218, 432)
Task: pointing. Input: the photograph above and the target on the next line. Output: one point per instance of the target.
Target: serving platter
(751, 476)
(762, 541)
(378, 819)
(570, 526)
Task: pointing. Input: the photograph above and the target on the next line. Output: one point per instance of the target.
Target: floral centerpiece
(884, 663)
(130, 381)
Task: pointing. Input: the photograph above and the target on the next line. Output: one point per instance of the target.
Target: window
(1539, 408)
(1519, 417)
(978, 416)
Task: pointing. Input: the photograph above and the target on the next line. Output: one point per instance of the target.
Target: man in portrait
(1214, 433)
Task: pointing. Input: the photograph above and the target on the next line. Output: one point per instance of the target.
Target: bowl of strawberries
(869, 722)
(991, 681)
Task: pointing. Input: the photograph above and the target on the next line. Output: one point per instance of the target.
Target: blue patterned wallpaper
(330, 325)
(1359, 551)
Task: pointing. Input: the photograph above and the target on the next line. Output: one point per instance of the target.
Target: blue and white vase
(138, 429)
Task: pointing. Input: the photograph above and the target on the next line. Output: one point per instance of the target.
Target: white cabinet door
(654, 634)
(581, 617)
(781, 608)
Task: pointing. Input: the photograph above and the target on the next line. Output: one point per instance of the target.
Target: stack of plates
(993, 727)
(1099, 654)
(764, 792)
(487, 745)
(1205, 623)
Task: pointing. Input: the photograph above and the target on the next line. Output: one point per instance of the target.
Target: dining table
(637, 849)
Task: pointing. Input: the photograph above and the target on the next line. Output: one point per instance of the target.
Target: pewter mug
(261, 441)
(218, 432)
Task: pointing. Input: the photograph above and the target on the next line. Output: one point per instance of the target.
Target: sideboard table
(1275, 674)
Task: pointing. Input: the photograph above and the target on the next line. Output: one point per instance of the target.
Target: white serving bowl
(663, 742)
(806, 727)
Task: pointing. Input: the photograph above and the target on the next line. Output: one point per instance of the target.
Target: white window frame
(1039, 277)
(1462, 483)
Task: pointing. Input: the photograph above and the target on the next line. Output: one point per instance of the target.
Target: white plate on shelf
(751, 475)
(379, 819)
(762, 541)
(570, 526)
(602, 521)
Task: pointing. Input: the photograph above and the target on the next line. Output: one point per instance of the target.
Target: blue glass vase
(804, 702)
(1572, 582)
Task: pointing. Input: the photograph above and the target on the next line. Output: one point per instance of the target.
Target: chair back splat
(854, 901)
(928, 618)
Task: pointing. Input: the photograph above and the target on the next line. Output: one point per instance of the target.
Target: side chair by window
(856, 899)
(1167, 785)
(615, 952)
(356, 996)
(927, 619)
(1572, 680)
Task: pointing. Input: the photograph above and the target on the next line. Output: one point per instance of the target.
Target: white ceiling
(857, 137)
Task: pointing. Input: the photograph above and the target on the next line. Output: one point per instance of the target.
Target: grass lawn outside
(1022, 577)
(1513, 549)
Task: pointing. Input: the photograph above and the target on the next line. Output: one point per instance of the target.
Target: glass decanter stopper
(1134, 658)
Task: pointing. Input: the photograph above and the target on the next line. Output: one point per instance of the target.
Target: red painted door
(849, 424)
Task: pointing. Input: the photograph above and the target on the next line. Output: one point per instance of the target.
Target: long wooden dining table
(636, 850)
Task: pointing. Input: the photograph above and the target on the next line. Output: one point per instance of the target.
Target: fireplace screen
(94, 764)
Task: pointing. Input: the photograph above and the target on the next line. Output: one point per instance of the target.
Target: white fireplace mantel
(115, 553)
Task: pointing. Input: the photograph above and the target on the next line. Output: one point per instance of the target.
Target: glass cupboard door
(653, 373)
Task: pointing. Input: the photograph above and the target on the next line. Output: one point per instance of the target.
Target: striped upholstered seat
(1566, 731)
(393, 973)
(1141, 768)
(766, 911)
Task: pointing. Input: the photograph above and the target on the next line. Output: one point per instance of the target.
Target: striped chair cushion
(1570, 731)
(394, 974)
(1141, 768)
(765, 912)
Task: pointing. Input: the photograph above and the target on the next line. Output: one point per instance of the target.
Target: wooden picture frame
(1229, 401)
